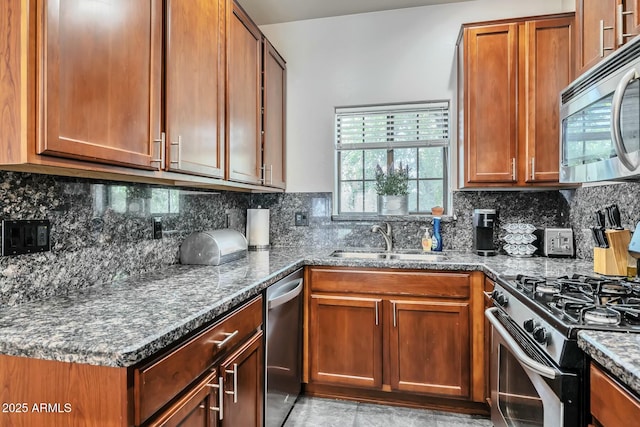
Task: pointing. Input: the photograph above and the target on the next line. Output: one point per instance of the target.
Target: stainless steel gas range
(537, 370)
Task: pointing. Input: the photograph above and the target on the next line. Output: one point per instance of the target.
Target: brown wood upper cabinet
(195, 86)
(101, 73)
(510, 74)
(257, 109)
(138, 90)
(244, 81)
(274, 116)
(602, 27)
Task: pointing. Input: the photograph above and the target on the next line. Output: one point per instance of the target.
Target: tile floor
(316, 412)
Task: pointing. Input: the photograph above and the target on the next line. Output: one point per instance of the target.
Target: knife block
(614, 260)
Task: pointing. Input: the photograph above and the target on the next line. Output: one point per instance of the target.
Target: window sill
(390, 218)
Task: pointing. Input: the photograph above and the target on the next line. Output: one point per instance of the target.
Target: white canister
(258, 228)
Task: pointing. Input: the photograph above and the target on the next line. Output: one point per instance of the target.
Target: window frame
(390, 146)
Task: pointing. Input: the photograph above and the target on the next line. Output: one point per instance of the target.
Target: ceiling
(265, 12)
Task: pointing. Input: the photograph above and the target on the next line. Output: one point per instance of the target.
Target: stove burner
(546, 288)
(586, 300)
(601, 315)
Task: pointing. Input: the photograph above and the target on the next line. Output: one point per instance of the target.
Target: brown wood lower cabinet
(244, 383)
(402, 336)
(611, 404)
(215, 378)
(347, 340)
(429, 347)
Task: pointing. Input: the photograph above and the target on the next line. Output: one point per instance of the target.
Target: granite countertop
(617, 352)
(122, 323)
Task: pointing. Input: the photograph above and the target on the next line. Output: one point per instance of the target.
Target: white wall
(396, 56)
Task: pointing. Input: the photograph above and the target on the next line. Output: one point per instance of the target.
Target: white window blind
(424, 124)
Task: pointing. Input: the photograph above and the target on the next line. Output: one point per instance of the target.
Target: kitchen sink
(364, 255)
(426, 256)
(397, 256)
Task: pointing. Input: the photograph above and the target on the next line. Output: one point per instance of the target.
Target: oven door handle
(535, 366)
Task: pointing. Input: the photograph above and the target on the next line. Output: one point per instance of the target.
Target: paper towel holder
(258, 229)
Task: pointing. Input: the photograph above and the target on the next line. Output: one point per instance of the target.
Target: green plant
(394, 182)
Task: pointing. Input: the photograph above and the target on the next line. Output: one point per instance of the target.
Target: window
(416, 135)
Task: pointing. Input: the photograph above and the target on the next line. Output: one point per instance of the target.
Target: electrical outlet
(25, 236)
(302, 219)
(157, 228)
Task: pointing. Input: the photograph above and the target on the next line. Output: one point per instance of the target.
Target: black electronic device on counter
(484, 221)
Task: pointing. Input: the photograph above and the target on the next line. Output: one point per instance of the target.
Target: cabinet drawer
(160, 381)
(391, 282)
(611, 405)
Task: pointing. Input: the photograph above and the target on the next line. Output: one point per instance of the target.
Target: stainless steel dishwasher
(283, 352)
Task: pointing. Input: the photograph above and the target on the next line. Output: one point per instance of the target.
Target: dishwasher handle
(284, 293)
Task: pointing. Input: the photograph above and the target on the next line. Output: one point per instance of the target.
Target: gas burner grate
(600, 315)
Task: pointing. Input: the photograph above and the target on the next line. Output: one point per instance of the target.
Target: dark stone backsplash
(102, 231)
(583, 202)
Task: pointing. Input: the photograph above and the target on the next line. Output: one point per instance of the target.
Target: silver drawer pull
(233, 392)
(219, 409)
(229, 336)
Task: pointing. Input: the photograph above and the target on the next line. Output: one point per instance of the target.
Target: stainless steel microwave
(600, 120)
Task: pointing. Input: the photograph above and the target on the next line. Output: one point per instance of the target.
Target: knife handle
(615, 217)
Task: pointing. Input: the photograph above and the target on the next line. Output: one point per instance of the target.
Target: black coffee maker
(483, 224)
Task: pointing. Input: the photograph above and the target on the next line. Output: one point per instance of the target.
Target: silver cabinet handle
(264, 170)
(621, 14)
(533, 168)
(219, 387)
(229, 336)
(159, 150)
(513, 168)
(602, 29)
(377, 322)
(178, 155)
(233, 392)
(395, 318)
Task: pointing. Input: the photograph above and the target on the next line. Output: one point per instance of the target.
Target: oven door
(526, 388)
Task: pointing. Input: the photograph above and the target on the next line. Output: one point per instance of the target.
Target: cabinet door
(611, 405)
(244, 86)
(630, 11)
(345, 343)
(244, 385)
(548, 63)
(430, 347)
(275, 73)
(596, 31)
(101, 69)
(195, 94)
(198, 407)
(490, 97)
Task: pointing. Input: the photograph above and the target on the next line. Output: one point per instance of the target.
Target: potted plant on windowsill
(393, 190)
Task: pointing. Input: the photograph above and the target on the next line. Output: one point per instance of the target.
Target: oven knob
(540, 335)
(530, 325)
(501, 299)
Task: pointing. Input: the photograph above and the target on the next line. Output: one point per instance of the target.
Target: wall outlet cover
(302, 218)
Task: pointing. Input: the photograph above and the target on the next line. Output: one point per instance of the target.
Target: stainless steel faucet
(386, 234)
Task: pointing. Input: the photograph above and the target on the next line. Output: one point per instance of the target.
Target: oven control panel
(530, 324)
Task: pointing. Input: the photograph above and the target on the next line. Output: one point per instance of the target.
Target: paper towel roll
(258, 228)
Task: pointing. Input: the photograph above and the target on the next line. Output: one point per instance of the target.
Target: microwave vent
(615, 61)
